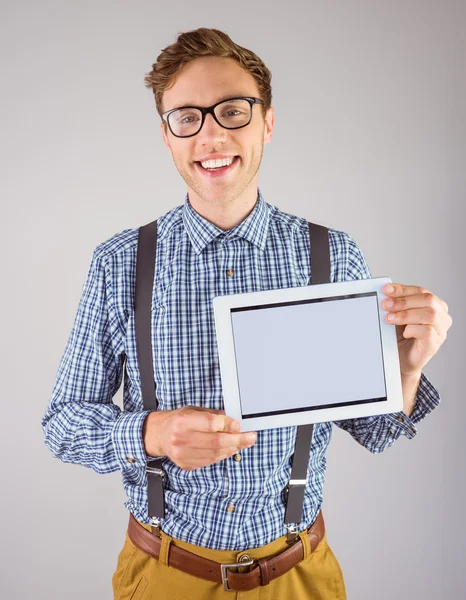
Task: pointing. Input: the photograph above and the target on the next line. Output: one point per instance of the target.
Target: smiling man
(233, 134)
(221, 534)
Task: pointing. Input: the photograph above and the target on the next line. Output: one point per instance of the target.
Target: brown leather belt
(266, 569)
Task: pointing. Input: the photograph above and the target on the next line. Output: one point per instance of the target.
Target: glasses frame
(210, 111)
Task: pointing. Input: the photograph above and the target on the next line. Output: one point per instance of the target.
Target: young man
(223, 489)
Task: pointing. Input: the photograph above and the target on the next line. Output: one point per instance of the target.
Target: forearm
(410, 386)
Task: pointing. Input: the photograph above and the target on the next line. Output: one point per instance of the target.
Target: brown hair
(205, 42)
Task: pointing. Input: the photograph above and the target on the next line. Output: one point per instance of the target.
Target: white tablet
(307, 354)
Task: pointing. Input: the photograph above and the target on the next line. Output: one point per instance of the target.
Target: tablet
(307, 354)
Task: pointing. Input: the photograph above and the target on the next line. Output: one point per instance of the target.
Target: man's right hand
(194, 437)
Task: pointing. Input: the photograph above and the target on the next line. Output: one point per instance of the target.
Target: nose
(211, 131)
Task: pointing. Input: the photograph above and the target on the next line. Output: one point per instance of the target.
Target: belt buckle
(224, 568)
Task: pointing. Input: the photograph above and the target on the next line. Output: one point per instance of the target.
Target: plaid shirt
(267, 250)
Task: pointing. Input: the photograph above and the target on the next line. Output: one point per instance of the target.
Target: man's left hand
(422, 322)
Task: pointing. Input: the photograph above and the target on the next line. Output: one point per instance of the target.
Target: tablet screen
(308, 354)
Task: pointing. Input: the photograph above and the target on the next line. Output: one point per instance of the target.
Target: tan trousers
(141, 577)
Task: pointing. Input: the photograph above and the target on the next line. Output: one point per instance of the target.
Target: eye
(185, 117)
(230, 112)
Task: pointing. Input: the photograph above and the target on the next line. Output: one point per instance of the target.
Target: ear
(269, 124)
(163, 127)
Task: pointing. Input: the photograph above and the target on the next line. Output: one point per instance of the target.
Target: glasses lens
(185, 121)
(233, 113)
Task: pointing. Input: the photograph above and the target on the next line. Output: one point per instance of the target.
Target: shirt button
(231, 508)
(400, 419)
(130, 459)
(237, 457)
(230, 272)
(412, 430)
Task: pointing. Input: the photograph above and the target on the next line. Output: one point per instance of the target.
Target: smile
(213, 171)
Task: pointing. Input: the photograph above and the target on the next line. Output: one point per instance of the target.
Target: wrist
(151, 436)
(411, 377)
(410, 384)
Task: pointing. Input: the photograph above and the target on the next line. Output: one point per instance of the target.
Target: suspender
(320, 273)
(145, 269)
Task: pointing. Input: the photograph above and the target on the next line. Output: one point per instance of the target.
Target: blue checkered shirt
(267, 250)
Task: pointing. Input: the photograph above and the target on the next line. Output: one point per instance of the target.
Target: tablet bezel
(228, 370)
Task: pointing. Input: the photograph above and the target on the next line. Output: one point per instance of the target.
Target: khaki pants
(141, 577)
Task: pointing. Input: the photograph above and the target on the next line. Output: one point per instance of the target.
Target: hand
(422, 322)
(194, 437)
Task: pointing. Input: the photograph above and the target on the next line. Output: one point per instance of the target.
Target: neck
(226, 213)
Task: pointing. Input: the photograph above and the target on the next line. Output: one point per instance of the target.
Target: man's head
(202, 68)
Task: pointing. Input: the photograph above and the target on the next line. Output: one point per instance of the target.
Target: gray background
(369, 138)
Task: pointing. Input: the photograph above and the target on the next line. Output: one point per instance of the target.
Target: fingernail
(390, 289)
(252, 437)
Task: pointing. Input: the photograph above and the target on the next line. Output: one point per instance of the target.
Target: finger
(395, 290)
(194, 418)
(230, 424)
(419, 316)
(213, 411)
(423, 332)
(399, 291)
(222, 422)
(394, 304)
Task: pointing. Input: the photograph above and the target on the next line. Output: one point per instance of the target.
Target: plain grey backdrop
(370, 138)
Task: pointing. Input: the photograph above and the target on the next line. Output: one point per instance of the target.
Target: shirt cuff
(427, 398)
(127, 439)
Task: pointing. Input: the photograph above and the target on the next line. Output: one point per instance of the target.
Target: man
(223, 488)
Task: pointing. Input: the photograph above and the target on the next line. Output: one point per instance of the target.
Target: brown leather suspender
(145, 271)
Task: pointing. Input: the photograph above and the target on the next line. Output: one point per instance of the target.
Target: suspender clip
(155, 523)
(292, 534)
(154, 471)
(297, 482)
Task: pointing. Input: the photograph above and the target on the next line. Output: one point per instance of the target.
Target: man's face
(203, 82)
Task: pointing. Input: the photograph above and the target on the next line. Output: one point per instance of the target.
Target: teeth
(219, 162)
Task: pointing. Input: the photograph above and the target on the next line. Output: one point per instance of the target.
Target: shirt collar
(253, 228)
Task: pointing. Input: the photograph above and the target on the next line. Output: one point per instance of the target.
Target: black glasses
(232, 113)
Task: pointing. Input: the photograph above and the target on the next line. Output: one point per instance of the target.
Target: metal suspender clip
(292, 534)
(297, 482)
(155, 523)
(154, 471)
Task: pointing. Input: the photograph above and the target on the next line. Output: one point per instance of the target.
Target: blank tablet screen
(308, 354)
